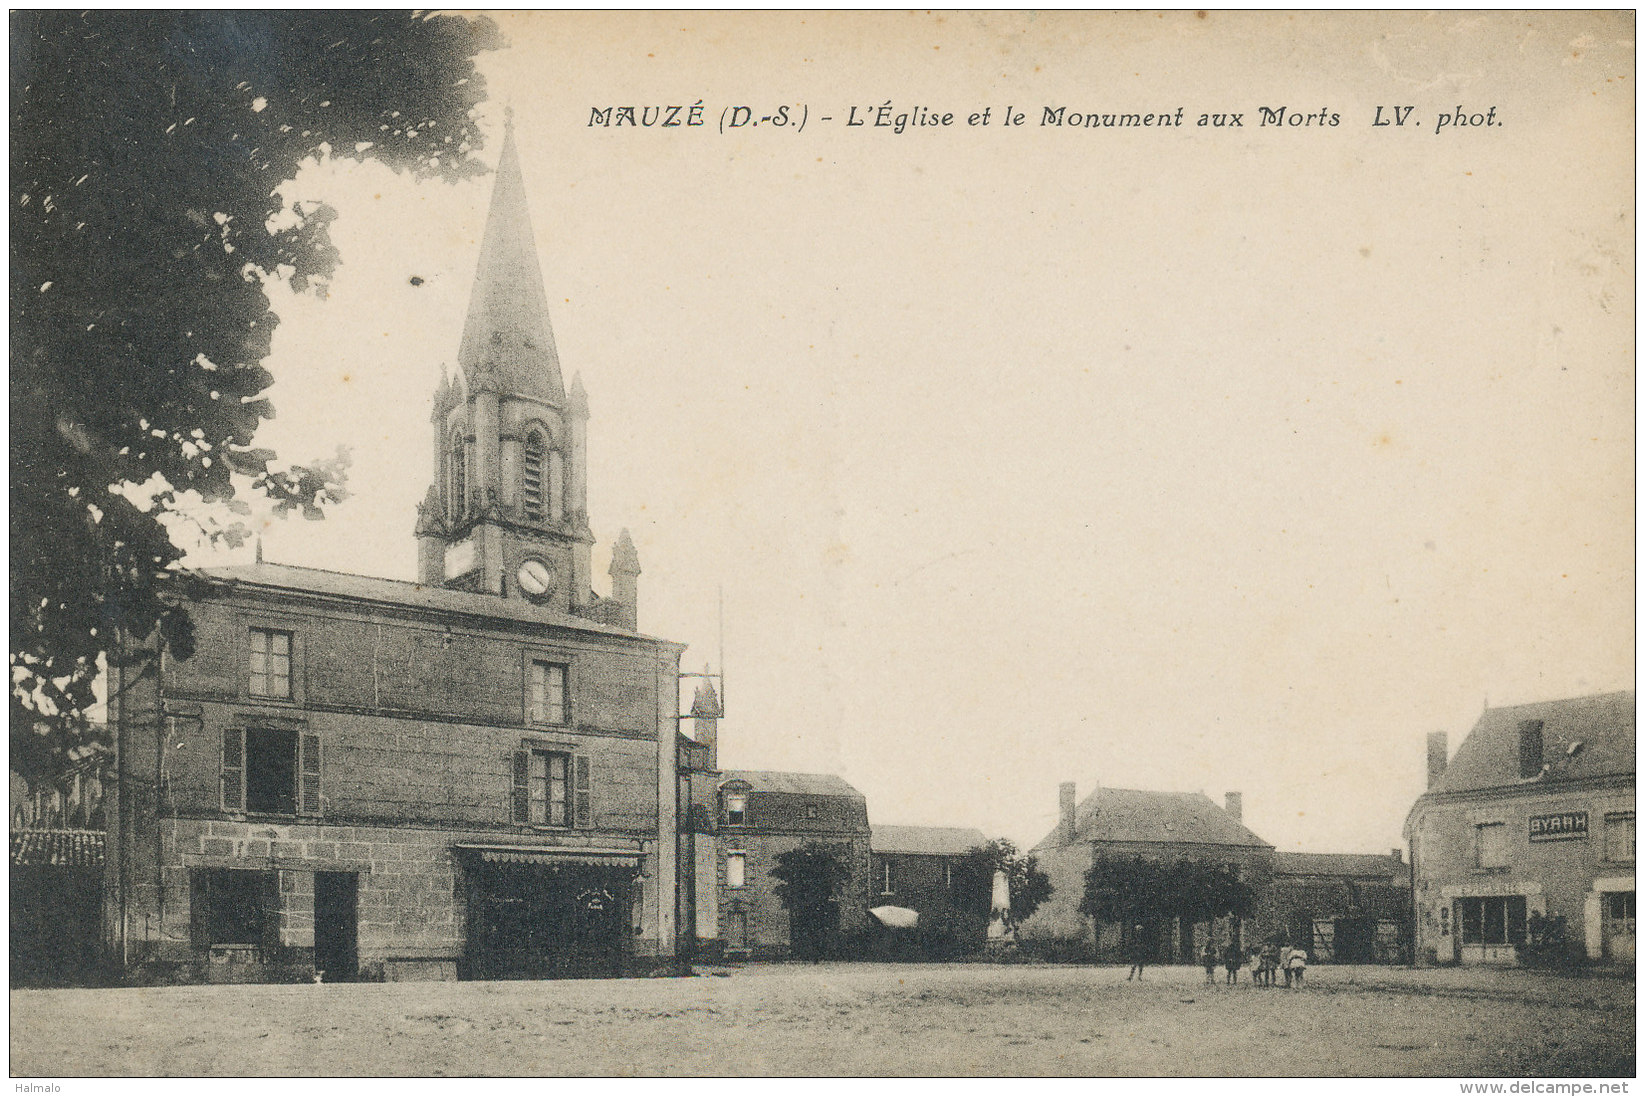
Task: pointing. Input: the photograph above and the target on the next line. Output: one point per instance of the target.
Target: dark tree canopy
(810, 880)
(1141, 891)
(147, 149)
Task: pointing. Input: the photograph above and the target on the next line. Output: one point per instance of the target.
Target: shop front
(536, 914)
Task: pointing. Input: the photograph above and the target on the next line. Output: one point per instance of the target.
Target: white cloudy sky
(1176, 459)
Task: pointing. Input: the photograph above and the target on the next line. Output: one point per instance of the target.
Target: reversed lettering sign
(1561, 826)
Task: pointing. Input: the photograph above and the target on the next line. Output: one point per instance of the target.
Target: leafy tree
(810, 881)
(148, 150)
(1027, 883)
(1136, 890)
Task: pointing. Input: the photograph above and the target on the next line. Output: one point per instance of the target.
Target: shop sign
(1561, 826)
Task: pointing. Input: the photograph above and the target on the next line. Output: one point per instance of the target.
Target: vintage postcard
(815, 544)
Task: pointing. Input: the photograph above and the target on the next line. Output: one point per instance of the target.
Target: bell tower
(507, 513)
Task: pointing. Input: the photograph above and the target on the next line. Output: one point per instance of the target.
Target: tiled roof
(933, 841)
(1136, 815)
(1338, 864)
(395, 592)
(66, 848)
(1489, 757)
(811, 784)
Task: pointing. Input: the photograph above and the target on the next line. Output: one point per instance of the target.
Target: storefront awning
(541, 855)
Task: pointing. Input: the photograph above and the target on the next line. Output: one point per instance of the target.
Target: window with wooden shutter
(234, 769)
(308, 766)
(522, 786)
(585, 799)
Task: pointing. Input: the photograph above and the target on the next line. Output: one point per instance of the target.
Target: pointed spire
(577, 401)
(507, 341)
(706, 703)
(259, 549)
(430, 517)
(625, 560)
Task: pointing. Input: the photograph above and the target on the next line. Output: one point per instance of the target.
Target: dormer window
(736, 809)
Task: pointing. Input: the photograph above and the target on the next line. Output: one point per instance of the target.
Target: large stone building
(471, 774)
(1163, 826)
(1533, 817)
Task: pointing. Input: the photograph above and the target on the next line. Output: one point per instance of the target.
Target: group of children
(1264, 961)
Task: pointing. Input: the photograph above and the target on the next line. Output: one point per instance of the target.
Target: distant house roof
(63, 848)
(932, 841)
(810, 784)
(340, 584)
(1135, 815)
(1339, 864)
(1489, 757)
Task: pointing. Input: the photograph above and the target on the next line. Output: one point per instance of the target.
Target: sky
(1161, 457)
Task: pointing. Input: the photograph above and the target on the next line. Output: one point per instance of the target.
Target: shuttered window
(552, 789)
(308, 794)
(234, 769)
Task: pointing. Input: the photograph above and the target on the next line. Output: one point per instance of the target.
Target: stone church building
(470, 775)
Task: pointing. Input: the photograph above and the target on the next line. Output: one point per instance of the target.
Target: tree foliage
(1136, 890)
(148, 151)
(811, 879)
(1028, 884)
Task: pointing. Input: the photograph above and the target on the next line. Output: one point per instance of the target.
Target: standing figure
(1139, 955)
(1208, 960)
(1298, 967)
(1230, 963)
(1270, 963)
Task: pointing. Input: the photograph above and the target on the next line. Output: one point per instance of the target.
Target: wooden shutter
(522, 786)
(308, 774)
(271, 913)
(234, 769)
(584, 798)
(199, 908)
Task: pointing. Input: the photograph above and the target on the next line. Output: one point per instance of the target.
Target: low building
(1531, 822)
(913, 867)
(1350, 908)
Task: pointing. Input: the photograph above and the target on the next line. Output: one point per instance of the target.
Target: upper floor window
(882, 875)
(736, 809)
(811, 811)
(1491, 845)
(550, 693)
(736, 868)
(552, 788)
(270, 663)
(271, 771)
(533, 471)
(1619, 836)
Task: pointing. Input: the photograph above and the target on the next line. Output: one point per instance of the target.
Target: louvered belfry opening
(531, 477)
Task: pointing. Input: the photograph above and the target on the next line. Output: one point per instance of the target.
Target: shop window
(1619, 905)
(736, 867)
(1494, 920)
(1491, 845)
(1619, 836)
(270, 663)
(271, 771)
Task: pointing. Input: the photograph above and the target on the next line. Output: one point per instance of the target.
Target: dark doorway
(1354, 941)
(547, 921)
(336, 942)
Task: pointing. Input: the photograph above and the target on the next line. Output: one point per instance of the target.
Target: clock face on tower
(536, 578)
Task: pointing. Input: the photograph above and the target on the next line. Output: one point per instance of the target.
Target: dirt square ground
(848, 1019)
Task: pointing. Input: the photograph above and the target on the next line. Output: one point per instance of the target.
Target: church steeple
(508, 345)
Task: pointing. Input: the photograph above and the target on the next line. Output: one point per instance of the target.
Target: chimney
(1234, 805)
(1436, 757)
(1397, 854)
(1065, 804)
(1530, 748)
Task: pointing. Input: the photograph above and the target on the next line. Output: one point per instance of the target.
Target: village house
(1161, 826)
(1531, 822)
(469, 775)
(914, 867)
(1347, 908)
